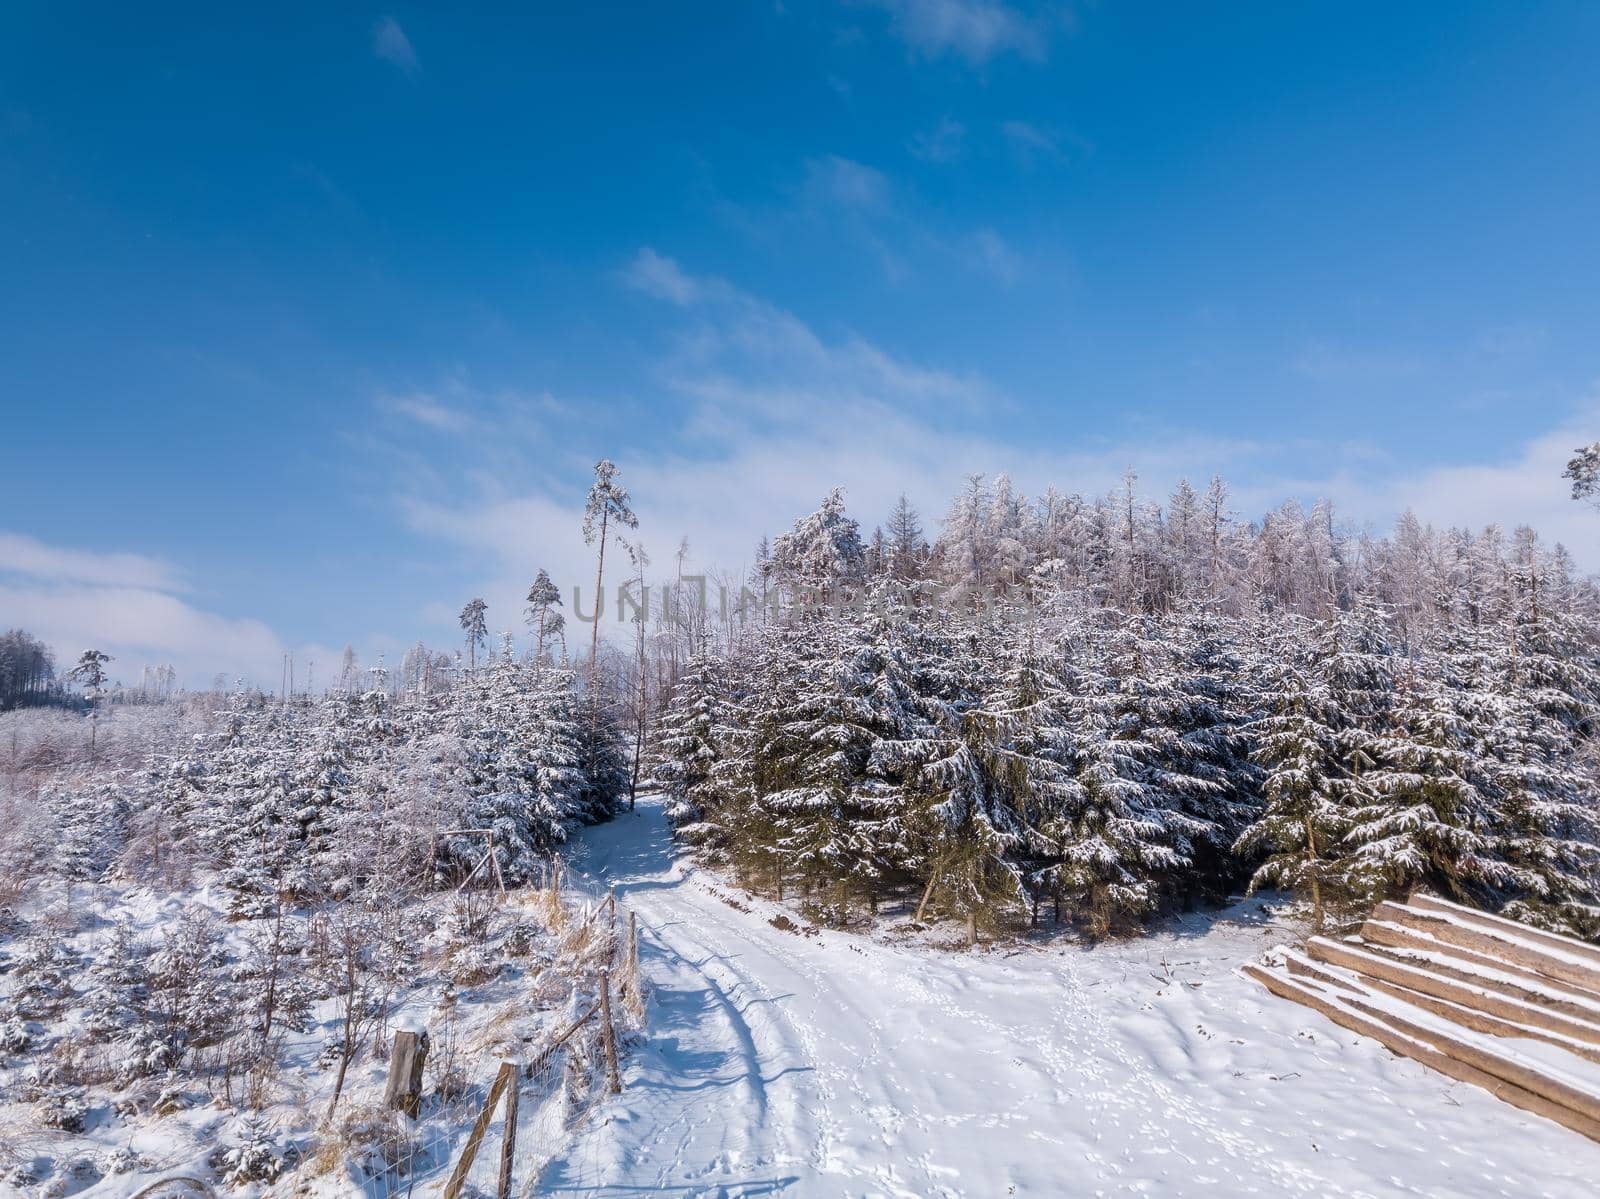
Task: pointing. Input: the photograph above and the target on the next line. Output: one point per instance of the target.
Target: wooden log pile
(1464, 992)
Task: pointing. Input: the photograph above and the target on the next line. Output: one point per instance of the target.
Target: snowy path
(836, 1065)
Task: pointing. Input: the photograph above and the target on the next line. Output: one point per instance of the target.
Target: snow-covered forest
(1111, 707)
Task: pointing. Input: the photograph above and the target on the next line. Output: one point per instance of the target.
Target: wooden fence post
(508, 1143)
(506, 1077)
(608, 1034)
(633, 950)
(403, 1092)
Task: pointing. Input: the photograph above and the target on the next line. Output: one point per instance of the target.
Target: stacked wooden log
(1483, 999)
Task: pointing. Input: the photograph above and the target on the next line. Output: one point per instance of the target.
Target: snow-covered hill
(831, 1064)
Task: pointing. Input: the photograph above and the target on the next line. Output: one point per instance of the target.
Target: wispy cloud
(660, 277)
(22, 555)
(773, 413)
(833, 181)
(995, 255)
(1328, 362)
(975, 30)
(943, 143)
(390, 43)
(432, 413)
(1036, 146)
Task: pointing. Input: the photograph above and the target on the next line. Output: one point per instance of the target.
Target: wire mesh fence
(498, 1135)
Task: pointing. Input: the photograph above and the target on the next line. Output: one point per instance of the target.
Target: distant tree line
(27, 671)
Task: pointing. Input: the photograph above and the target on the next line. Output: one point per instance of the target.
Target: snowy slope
(836, 1065)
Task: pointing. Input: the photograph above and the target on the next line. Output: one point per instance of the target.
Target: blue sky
(312, 320)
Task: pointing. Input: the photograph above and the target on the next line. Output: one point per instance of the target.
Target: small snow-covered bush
(123, 1160)
(255, 1158)
(62, 1108)
(41, 973)
(139, 1055)
(471, 964)
(14, 1035)
(524, 937)
(24, 1175)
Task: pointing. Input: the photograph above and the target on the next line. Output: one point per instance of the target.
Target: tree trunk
(927, 894)
(338, 1082)
(599, 597)
(1316, 877)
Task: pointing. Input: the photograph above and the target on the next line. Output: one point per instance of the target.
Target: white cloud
(995, 255)
(1035, 146)
(1327, 362)
(660, 277)
(1524, 487)
(838, 182)
(128, 605)
(24, 555)
(943, 143)
(976, 30)
(390, 43)
(428, 411)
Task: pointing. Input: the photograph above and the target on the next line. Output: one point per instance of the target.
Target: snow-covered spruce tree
(251, 825)
(985, 783)
(255, 1156)
(829, 783)
(756, 689)
(1217, 667)
(821, 555)
(555, 754)
(90, 818)
(193, 1002)
(1308, 794)
(322, 783)
(501, 727)
(1526, 764)
(546, 624)
(474, 623)
(1119, 840)
(117, 1009)
(166, 817)
(1422, 821)
(41, 972)
(688, 743)
(536, 757)
(1191, 754)
(603, 752)
(1144, 796)
(271, 976)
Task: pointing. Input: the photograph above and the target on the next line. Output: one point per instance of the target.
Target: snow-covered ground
(833, 1064)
